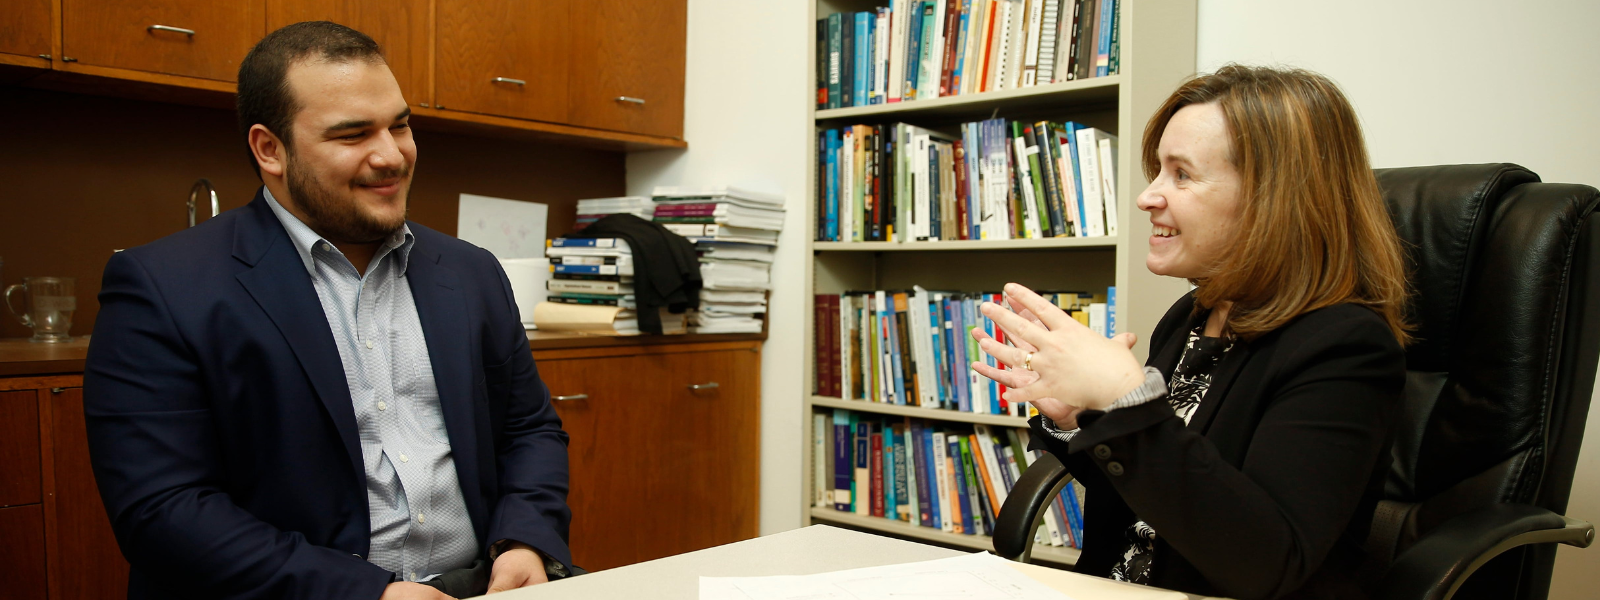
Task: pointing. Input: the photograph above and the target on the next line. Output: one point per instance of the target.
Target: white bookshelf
(1157, 53)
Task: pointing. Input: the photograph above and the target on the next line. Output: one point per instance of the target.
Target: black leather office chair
(1505, 278)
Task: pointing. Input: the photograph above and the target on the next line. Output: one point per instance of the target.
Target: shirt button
(383, 406)
(323, 246)
(1114, 468)
(413, 575)
(422, 518)
(404, 459)
(369, 344)
(1102, 452)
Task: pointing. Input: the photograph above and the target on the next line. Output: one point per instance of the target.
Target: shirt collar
(306, 241)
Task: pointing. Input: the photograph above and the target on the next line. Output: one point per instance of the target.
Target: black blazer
(222, 432)
(1266, 492)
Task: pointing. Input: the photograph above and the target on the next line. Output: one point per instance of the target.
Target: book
(589, 286)
(820, 490)
(844, 463)
(863, 465)
(835, 51)
(876, 494)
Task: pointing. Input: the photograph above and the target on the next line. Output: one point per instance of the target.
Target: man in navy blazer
(310, 397)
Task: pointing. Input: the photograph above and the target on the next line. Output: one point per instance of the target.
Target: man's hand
(518, 567)
(405, 590)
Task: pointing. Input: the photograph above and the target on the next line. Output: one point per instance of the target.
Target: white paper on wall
(506, 228)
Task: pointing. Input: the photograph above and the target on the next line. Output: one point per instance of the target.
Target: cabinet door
(22, 529)
(716, 399)
(504, 57)
(19, 448)
(399, 26)
(156, 36)
(91, 564)
(25, 27)
(629, 73)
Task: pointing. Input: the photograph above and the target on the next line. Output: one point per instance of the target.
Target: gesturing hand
(1073, 369)
(518, 567)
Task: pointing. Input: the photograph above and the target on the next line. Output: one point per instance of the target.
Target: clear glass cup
(48, 303)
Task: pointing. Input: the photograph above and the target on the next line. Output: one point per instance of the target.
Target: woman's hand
(1073, 368)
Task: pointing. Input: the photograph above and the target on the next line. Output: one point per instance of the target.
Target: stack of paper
(724, 213)
(594, 209)
(736, 277)
(598, 319)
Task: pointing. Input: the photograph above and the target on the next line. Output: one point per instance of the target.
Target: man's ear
(269, 150)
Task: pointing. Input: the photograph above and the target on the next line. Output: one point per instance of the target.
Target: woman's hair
(1313, 228)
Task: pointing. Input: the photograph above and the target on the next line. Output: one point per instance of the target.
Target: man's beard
(338, 217)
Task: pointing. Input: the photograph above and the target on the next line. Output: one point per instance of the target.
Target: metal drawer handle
(568, 398)
(509, 80)
(630, 99)
(188, 32)
(704, 386)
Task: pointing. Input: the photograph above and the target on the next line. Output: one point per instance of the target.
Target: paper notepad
(980, 576)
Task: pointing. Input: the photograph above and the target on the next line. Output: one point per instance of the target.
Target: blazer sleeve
(156, 457)
(1262, 529)
(531, 449)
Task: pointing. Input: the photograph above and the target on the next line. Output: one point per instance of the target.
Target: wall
(83, 175)
(745, 121)
(1446, 82)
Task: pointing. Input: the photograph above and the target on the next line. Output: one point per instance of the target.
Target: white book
(846, 324)
(1108, 178)
(970, 68)
(885, 373)
(864, 333)
(996, 222)
(821, 430)
(1030, 208)
(942, 475)
(919, 202)
(913, 448)
(880, 58)
(1048, 42)
(1088, 167)
(847, 185)
(1030, 52)
(992, 463)
(1018, 43)
(1050, 524)
(936, 58)
(897, 48)
(1097, 318)
(1002, 52)
(1069, 183)
(922, 348)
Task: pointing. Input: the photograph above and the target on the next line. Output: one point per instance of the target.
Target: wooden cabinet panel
(717, 434)
(19, 449)
(22, 551)
(399, 26)
(478, 41)
(124, 34)
(25, 27)
(90, 563)
(628, 49)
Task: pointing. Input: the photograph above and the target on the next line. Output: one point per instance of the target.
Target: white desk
(814, 549)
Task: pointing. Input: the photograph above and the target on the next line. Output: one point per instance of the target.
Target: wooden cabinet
(25, 28)
(192, 38)
(504, 57)
(22, 531)
(664, 451)
(91, 564)
(628, 82)
(19, 448)
(399, 26)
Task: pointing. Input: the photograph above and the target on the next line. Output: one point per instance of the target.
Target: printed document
(980, 576)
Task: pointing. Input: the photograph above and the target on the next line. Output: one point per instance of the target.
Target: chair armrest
(1443, 559)
(1025, 505)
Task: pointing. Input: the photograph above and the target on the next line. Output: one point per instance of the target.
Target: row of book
(995, 180)
(915, 347)
(918, 49)
(945, 476)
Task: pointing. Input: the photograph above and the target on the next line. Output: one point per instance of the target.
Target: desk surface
(814, 549)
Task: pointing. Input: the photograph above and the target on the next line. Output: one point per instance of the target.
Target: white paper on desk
(979, 576)
(506, 228)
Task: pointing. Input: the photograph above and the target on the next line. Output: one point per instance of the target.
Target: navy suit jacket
(222, 432)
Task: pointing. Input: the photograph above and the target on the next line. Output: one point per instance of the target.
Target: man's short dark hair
(264, 94)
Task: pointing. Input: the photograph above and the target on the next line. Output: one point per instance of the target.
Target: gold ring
(1027, 362)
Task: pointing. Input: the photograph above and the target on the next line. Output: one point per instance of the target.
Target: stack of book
(735, 232)
(591, 289)
(594, 209)
(997, 180)
(918, 49)
(913, 348)
(946, 476)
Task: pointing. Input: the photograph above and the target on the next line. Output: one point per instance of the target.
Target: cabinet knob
(188, 32)
(704, 386)
(508, 80)
(630, 99)
(44, 56)
(570, 398)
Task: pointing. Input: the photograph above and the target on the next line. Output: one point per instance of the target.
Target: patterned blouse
(1190, 380)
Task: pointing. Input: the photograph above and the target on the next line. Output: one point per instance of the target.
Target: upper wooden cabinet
(627, 70)
(504, 57)
(399, 26)
(193, 38)
(25, 27)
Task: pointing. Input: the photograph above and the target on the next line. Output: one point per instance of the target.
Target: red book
(877, 471)
(1000, 336)
(952, 28)
(961, 191)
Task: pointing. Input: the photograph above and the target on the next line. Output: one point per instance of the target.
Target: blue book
(1103, 45)
(843, 475)
(586, 269)
(890, 500)
(958, 368)
(863, 58)
(934, 180)
(835, 60)
(583, 243)
(960, 476)
(863, 459)
(1069, 499)
(896, 359)
(1077, 171)
(1111, 311)
(913, 50)
(935, 333)
(960, 45)
(833, 185)
(994, 388)
(902, 491)
(924, 506)
(1000, 454)
(936, 500)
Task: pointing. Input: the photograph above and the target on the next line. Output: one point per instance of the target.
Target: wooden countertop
(20, 357)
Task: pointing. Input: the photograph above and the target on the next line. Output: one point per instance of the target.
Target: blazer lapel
(442, 309)
(1221, 380)
(282, 288)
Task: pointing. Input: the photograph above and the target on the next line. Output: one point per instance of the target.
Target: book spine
(981, 523)
(1102, 56)
(919, 460)
(1052, 187)
(847, 58)
(875, 450)
(833, 186)
(1115, 66)
(821, 493)
(583, 243)
(862, 82)
(835, 60)
(903, 503)
(941, 465)
(1107, 144)
(1084, 63)
(588, 269)
(983, 482)
(897, 50)
(1048, 29)
(1089, 177)
(863, 466)
(843, 463)
(913, 53)
(822, 63)
(928, 85)
(1039, 202)
(1030, 52)
(1070, 65)
(960, 489)
(952, 40)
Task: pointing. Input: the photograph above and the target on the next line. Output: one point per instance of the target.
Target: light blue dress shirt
(419, 521)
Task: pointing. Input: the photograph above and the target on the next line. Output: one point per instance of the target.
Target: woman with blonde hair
(1246, 457)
